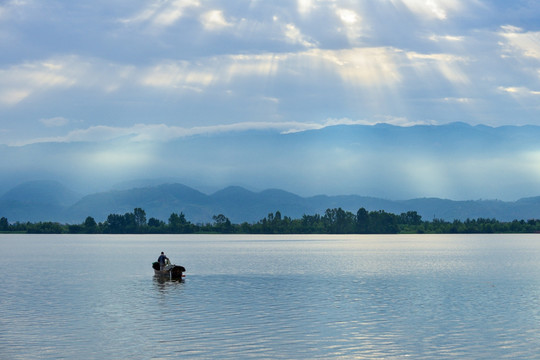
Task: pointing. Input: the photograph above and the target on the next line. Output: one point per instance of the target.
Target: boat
(169, 271)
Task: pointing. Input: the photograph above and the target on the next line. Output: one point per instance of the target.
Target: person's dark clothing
(162, 260)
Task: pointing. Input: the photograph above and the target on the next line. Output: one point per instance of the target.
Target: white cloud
(518, 91)
(304, 6)
(21, 81)
(214, 20)
(177, 75)
(293, 35)
(361, 67)
(54, 122)
(520, 43)
(447, 65)
(352, 23)
(459, 100)
(13, 96)
(511, 29)
(431, 9)
(347, 16)
(357, 68)
(153, 132)
(162, 13)
(164, 133)
(450, 38)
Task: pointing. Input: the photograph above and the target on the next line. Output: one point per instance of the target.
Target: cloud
(214, 20)
(431, 9)
(397, 121)
(356, 67)
(164, 133)
(54, 122)
(450, 38)
(364, 67)
(161, 13)
(293, 35)
(214, 55)
(10, 7)
(447, 65)
(459, 100)
(518, 91)
(377, 71)
(352, 22)
(151, 132)
(304, 7)
(178, 75)
(520, 43)
(13, 96)
(19, 82)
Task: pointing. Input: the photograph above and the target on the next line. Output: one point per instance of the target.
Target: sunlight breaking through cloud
(352, 23)
(214, 20)
(520, 42)
(431, 9)
(293, 34)
(162, 13)
(161, 70)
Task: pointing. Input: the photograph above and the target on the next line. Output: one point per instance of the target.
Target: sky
(166, 69)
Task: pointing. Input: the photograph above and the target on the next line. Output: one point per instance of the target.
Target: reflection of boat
(169, 271)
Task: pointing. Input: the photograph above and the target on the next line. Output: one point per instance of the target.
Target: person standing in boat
(162, 260)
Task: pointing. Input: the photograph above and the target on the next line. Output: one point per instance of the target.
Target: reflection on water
(96, 297)
(163, 284)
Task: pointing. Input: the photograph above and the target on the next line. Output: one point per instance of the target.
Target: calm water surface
(271, 297)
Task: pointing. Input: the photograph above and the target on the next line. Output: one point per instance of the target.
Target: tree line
(333, 221)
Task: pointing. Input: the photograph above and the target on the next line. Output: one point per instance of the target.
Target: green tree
(115, 224)
(4, 224)
(382, 222)
(410, 218)
(153, 222)
(311, 224)
(130, 225)
(178, 224)
(222, 224)
(362, 221)
(47, 227)
(339, 221)
(90, 225)
(140, 217)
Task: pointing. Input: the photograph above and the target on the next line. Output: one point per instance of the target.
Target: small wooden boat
(169, 271)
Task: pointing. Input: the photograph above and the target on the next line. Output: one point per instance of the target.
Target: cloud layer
(195, 63)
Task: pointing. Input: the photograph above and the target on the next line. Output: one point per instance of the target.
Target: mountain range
(452, 161)
(386, 167)
(51, 201)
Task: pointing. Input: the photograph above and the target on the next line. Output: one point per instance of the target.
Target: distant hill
(36, 201)
(158, 201)
(44, 192)
(50, 201)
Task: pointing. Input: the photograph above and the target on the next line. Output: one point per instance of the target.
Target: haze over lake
(275, 297)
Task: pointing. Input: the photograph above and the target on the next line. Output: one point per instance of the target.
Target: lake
(271, 297)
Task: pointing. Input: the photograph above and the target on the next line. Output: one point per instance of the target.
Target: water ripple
(293, 300)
